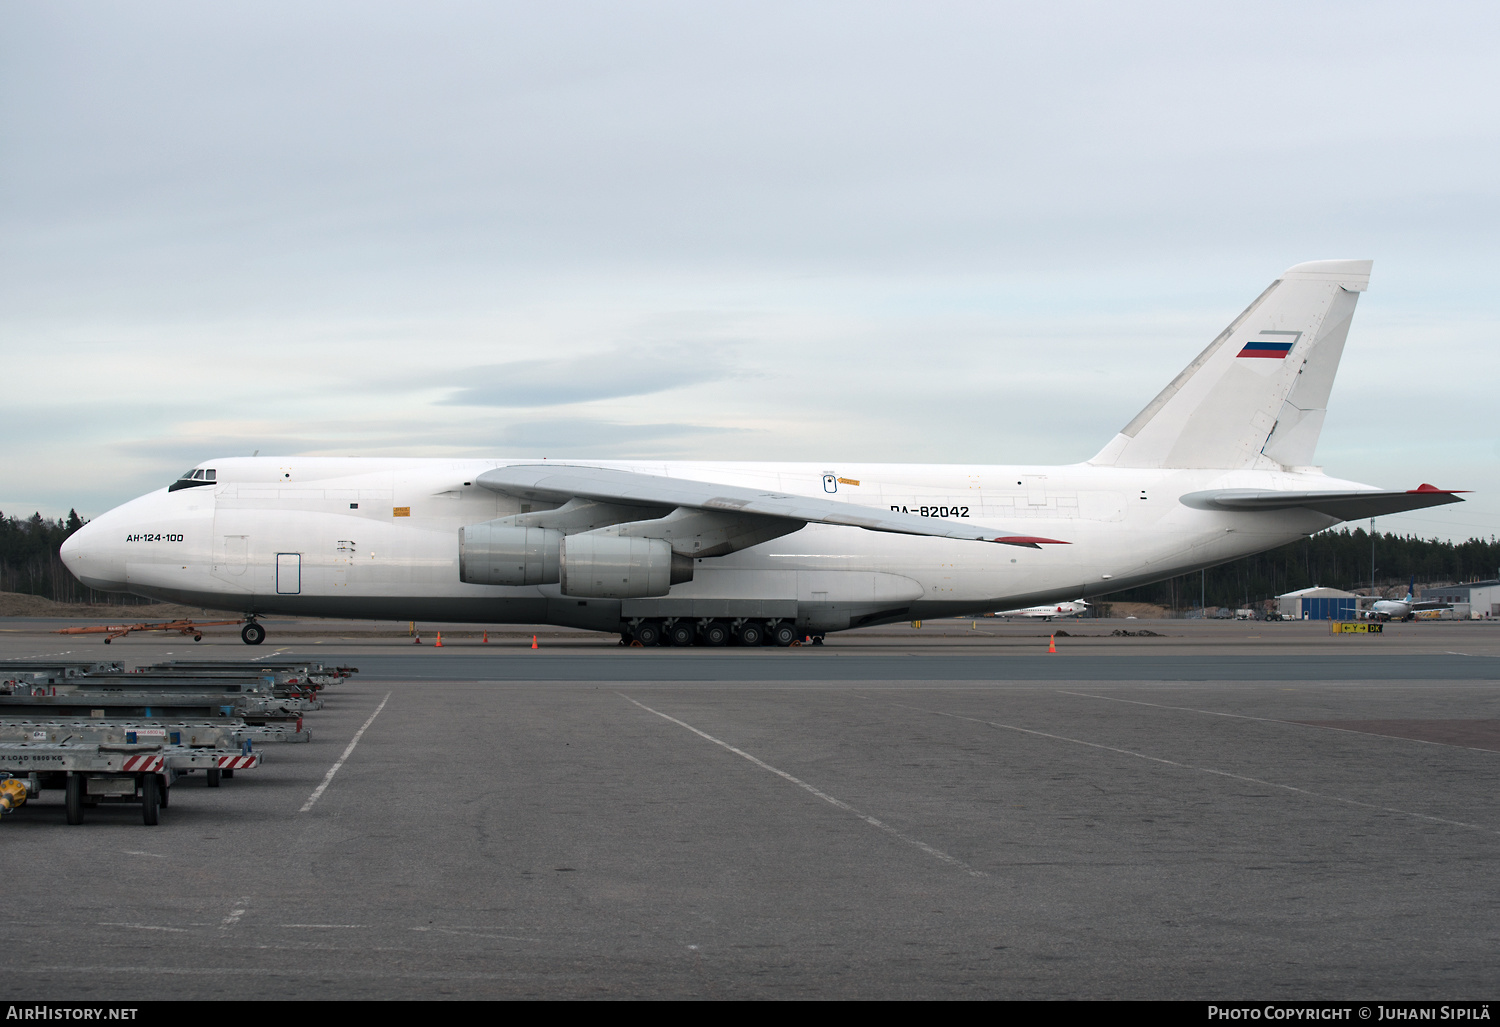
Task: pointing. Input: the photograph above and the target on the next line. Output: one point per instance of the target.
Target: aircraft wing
(1346, 506)
(561, 482)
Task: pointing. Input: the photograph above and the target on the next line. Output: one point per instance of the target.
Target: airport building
(1477, 599)
(1317, 603)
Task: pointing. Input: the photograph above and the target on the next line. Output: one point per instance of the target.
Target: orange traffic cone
(1052, 643)
(533, 643)
(486, 636)
(440, 640)
(417, 640)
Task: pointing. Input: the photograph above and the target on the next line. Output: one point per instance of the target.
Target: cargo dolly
(168, 689)
(47, 671)
(282, 684)
(221, 738)
(319, 674)
(247, 710)
(91, 773)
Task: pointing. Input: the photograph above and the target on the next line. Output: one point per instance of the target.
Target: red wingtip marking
(1031, 540)
(1424, 487)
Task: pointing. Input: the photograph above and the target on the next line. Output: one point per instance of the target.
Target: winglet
(1030, 541)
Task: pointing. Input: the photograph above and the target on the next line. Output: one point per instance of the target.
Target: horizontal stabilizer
(1346, 506)
(562, 482)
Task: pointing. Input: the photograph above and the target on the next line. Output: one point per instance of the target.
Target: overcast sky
(828, 231)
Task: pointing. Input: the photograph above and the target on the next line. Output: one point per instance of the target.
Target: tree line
(29, 561)
(1340, 558)
(1337, 558)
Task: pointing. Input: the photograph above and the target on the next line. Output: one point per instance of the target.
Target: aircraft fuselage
(378, 538)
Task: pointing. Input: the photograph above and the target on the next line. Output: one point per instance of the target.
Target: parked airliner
(1402, 609)
(1219, 465)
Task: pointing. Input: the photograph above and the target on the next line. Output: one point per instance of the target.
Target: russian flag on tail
(1275, 348)
(1272, 350)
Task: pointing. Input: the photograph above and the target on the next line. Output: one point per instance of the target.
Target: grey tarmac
(1219, 811)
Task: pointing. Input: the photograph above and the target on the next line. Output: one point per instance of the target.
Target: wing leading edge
(563, 482)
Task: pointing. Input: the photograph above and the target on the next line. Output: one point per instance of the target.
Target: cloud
(614, 374)
(581, 436)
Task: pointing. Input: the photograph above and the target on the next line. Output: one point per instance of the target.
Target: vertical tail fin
(1258, 394)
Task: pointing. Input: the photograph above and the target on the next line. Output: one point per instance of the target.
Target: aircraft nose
(89, 557)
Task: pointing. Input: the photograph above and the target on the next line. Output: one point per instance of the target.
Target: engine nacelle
(503, 554)
(616, 567)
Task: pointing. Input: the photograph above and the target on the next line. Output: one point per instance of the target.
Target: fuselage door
(288, 574)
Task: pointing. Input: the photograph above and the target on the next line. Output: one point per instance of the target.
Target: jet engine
(495, 553)
(621, 567)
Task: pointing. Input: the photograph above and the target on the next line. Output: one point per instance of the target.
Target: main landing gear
(685, 631)
(252, 633)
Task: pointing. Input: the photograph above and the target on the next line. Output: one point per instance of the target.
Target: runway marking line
(839, 803)
(272, 971)
(147, 927)
(1272, 720)
(235, 914)
(328, 778)
(1204, 770)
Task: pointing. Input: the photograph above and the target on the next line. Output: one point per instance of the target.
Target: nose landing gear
(252, 633)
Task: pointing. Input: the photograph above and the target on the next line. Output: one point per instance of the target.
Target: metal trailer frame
(156, 707)
(93, 773)
(195, 734)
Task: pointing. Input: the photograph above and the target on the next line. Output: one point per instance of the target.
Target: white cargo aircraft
(1216, 467)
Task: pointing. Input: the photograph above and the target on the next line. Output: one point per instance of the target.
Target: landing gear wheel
(648, 633)
(716, 633)
(783, 635)
(75, 798)
(681, 633)
(213, 777)
(752, 633)
(253, 633)
(150, 800)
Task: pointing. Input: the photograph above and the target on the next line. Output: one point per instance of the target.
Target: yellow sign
(401, 511)
(916, 624)
(1356, 627)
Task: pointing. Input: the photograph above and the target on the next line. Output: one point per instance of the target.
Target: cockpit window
(192, 478)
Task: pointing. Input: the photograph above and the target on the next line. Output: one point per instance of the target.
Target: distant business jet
(1219, 465)
(1076, 608)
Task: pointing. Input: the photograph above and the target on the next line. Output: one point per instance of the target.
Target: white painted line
(235, 914)
(327, 778)
(1273, 720)
(936, 853)
(1207, 770)
(148, 927)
